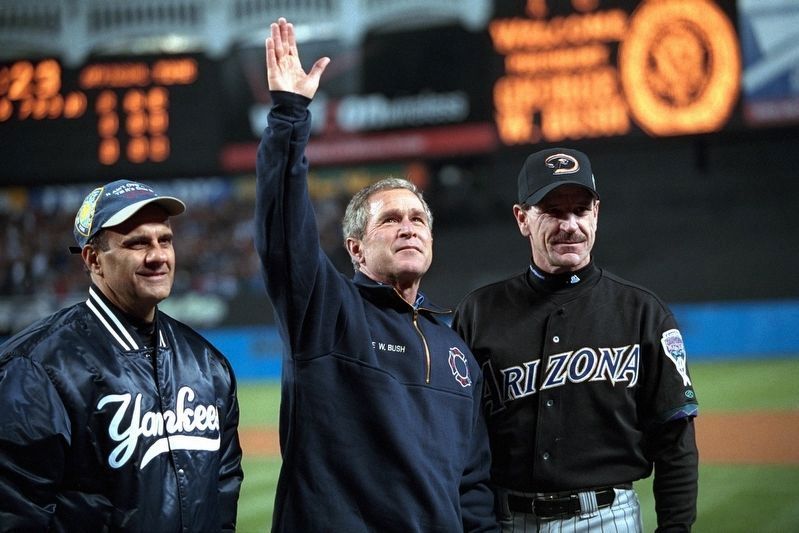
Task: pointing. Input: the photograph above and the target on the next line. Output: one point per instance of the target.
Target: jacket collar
(116, 323)
(387, 295)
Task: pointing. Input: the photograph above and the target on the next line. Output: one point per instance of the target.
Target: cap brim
(538, 195)
(171, 205)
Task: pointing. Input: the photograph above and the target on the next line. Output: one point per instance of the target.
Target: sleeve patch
(675, 350)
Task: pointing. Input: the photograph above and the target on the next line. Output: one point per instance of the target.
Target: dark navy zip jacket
(380, 422)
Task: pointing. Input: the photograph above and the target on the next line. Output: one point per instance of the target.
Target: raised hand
(283, 69)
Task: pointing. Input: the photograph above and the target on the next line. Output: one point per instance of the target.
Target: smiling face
(135, 267)
(397, 246)
(561, 228)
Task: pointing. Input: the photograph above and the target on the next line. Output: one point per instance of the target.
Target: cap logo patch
(85, 216)
(562, 163)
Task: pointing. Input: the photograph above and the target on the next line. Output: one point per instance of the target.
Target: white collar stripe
(120, 328)
(106, 324)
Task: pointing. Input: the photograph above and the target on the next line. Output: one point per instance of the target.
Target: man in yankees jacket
(115, 416)
(587, 384)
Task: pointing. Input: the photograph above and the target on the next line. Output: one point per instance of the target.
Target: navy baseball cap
(548, 169)
(113, 204)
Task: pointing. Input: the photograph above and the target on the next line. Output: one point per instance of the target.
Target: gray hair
(356, 217)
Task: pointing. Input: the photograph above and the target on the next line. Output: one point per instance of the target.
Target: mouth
(567, 247)
(154, 275)
(409, 248)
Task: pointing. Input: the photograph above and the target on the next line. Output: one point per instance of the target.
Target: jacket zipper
(424, 343)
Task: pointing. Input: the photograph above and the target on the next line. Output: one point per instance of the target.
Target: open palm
(284, 71)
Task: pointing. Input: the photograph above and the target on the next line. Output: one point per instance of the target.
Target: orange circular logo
(680, 67)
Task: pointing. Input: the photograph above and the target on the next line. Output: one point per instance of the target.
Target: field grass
(735, 498)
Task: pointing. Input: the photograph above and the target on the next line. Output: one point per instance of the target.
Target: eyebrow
(400, 212)
(142, 238)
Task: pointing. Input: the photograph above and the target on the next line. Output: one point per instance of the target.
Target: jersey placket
(549, 427)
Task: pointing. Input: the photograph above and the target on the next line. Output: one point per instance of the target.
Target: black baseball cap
(113, 204)
(548, 169)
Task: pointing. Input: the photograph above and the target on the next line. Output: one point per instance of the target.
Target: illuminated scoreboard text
(105, 118)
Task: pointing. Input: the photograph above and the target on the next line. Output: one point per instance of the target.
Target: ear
(521, 220)
(91, 259)
(596, 213)
(355, 250)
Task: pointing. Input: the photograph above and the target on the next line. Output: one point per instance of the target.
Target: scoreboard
(110, 117)
(539, 72)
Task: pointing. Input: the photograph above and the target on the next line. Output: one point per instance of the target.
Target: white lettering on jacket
(170, 427)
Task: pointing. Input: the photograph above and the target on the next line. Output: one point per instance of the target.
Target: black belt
(560, 504)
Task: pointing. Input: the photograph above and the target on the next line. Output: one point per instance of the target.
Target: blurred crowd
(213, 245)
(216, 259)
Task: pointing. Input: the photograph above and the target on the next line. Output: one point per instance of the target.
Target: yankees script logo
(175, 424)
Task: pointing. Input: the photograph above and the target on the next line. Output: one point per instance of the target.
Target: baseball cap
(113, 204)
(548, 169)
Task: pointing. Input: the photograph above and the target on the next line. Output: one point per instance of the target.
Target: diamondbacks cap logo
(562, 164)
(675, 350)
(85, 216)
(459, 366)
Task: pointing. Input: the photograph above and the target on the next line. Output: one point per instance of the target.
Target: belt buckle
(568, 501)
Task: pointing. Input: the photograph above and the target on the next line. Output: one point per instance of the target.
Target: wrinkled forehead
(399, 200)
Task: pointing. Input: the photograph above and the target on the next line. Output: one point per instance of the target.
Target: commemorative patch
(675, 350)
(459, 366)
(85, 216)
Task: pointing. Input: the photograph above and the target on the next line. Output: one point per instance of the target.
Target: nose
(406, 228)
(156, 254)
(569, 222)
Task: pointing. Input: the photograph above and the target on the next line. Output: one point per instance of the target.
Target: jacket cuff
(289, 106)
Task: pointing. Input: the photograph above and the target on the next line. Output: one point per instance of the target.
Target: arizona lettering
(169, 427)
(613, 365)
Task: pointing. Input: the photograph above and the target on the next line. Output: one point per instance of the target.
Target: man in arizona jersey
(115, 416)
(586, 383)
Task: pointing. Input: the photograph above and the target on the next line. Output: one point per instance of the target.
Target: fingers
(284, 37)
(284, 71)
(271, 60)
(286, 34)
(276, 37)
(291, 38)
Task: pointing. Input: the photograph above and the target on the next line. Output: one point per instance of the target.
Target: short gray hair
(356, 217)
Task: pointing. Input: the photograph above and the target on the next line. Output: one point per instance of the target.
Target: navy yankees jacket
(98, 432)
(380, 423)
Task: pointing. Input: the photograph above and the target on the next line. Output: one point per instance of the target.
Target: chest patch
(459, 366)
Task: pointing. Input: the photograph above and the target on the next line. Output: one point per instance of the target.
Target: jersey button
(550, 403)
(546, 456)
(555, 339)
